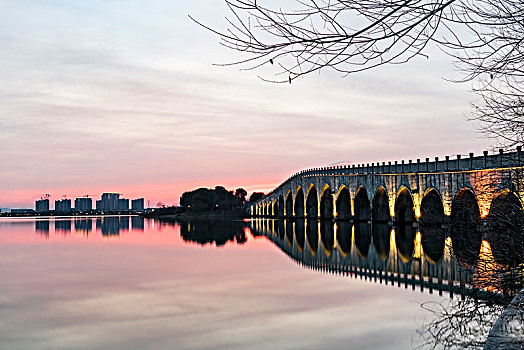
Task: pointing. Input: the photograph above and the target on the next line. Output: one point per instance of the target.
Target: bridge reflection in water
(395, 255)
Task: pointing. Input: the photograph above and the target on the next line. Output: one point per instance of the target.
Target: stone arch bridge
(458, 192)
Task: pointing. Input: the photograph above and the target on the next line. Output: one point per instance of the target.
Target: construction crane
(42, 197)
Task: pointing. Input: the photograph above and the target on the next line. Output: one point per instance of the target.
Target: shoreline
(196, 216)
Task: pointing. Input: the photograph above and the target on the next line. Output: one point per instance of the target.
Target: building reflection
(83, 226)
(42, 227)
(137, 223)
(112, 225)
(63, 226)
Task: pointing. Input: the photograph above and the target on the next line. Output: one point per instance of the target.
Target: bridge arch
(465, 226)
(361, 205)
(281, 206)
(505, 228)
(433, 235)
(270, 209)
(312, 203)
(299, 202)
(275, 208)
(404, 206)
(326, 203)
(343, 204)
(289, 205)
(380, 206)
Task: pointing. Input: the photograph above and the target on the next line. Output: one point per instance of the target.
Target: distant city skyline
(110, 94)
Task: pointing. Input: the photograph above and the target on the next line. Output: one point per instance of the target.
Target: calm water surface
(130, 283)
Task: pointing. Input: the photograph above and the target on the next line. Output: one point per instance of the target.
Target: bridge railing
(459, 163)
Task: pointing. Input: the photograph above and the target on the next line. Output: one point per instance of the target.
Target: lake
(134, 283)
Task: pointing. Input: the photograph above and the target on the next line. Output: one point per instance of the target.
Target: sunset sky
(123, 96)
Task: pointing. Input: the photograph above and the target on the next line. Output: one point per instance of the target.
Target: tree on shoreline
(217, 199)
(255, 196)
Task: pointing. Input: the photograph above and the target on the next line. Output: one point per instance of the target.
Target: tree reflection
(218, 232)
(458, 323)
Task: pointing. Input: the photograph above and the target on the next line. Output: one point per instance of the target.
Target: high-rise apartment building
(110, 201)
(83, 204)
(137, 204)
(42, 205)
(63, 205)
(123, 204)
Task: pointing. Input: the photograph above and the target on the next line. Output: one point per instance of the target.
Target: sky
(123, 96)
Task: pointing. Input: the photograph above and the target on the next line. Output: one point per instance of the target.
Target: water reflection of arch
(505, 228)
(432, 218)
(404, 206)
(371, 267)
(281, 229)
(300, 233)
(343, 204)
(327, 236)
(344, 237)
(289, 205)
(312, 203)
(361, 205)
(312, 235)
(289, 232)
(299, 203)
(381, 239)
(326, 203)
(465, 227)
(380, 206)
(405, 236)
(362, 238)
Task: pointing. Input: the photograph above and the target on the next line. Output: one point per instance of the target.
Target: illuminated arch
(466, 235)
(312, 203)
(361, 205)
(281, 206)
(404, 206)
(343, 204)
(380, 206)
(432, 217)
(505, 228)
(289, 205)
(326, 203)
(299, 203)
